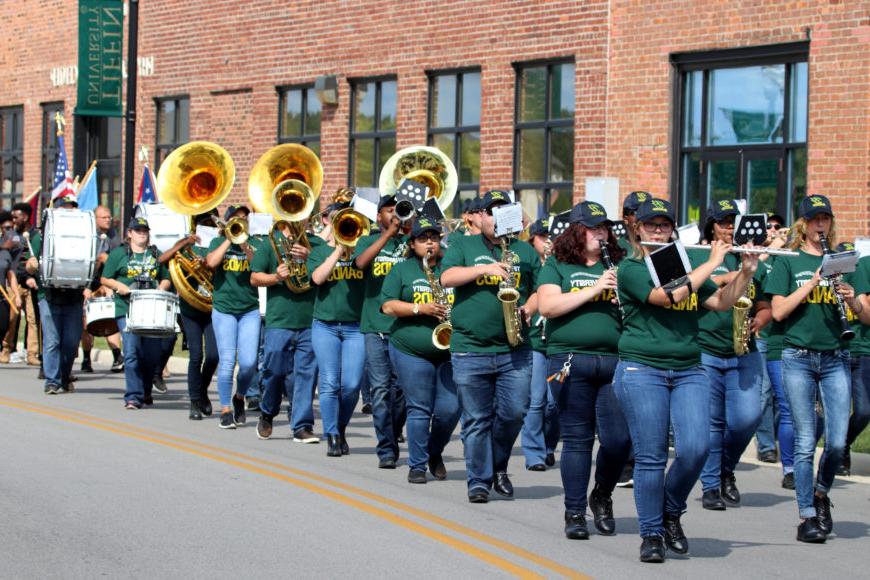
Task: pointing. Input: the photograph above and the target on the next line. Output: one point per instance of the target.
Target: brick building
(695, 100)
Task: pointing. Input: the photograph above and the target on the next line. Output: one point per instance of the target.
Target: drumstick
(12, 307)
(26, 236)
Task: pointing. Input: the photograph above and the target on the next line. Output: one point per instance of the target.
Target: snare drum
(69, 248)
(100, 316)
(152, 313)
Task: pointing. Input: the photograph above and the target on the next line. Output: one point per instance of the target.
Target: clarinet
(846, 332)
(608, 263)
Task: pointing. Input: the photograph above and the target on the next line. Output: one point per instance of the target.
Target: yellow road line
(252, 464)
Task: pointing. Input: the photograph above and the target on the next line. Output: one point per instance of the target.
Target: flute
(735, 249)
(608, 263)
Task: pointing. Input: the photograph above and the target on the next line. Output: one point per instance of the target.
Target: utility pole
(130, 140)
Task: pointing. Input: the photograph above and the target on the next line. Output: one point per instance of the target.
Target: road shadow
(761, 499)
(538, 491)
(627, 526)
(716, 547)
(851, 530)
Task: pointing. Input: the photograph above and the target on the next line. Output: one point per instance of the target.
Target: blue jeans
(61, 332)
(432, 403)
(765, 435)
(735, 410)
(651, 400)
(388, 401)
(785, 428)
(808, 374)
(141, 359)
(340, 351)
(289, 368)
(258, 384)
(860, 398)
(237, 335)
(494, 394)
(541, 425)
(586, 400)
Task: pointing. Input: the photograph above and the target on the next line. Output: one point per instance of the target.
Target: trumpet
(348, 226)
(235, 230)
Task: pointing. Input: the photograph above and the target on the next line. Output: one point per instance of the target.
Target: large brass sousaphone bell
(194, 179)
(427, 165)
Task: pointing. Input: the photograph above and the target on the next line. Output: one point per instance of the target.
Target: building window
(372, 129)
(299, 117)
(49, 147)
(544, 137)
(743, 129)
(454, 126)
(11, 155)
(173, 126)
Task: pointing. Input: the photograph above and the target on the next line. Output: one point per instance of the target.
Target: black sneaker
(51, 389)
(264, 427)
(712, 500)
(575, 526)
(767, 456)
(550, 460)
(728, 488)
(811, 531)
(436, 466)
(205, 405)
(601, 505)
(788, 480)
(253, 403)
(652, 550)
(845, 469)
(367, 409)
(227, 421)
(160, 385)
(675, 538)
(86, 366)
(478, 495)
(118, 365)
(823, 507)
(416, 476)
(239, 416)
(195, 411)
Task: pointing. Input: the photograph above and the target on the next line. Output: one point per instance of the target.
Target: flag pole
(87, 174)
(132, 73)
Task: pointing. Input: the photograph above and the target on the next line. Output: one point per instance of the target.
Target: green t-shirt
(593, 328)
(660, 337)
(815, 323)
(125, 268)
(860, 345)
(340, 298)
(772, 333)
(536, 334)
(715, 329)
(233, 293)
(185, 308)
(478, 323)
(413, 334)
(284, 308)
(393, 252)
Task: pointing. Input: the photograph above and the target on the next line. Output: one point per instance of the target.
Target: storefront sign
(101, 44)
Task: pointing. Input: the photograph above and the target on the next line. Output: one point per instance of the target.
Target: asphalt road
(88, 489)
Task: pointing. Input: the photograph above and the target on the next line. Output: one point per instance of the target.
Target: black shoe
(160, 385)
(195, 411)
(788, 480)
(333, 446)
(400, 438)
(712, 500)
(305, 435)
(205, 405)
(118, 365)
(345, 449)
(367, 409)
(253, 403)
(478, 495)
(436, 467)
(41, 375)
(264, 427)
(767, 456)
(728, 487)
(416, 476)
(652, 550)
(227, 421)
(575, 526)
(823, 507)
(86, 366)
(601, 506)
(845, 469)
(147, 400)
(674, 536)
(502, 485)
(550, 461)
(811, 531)
(626, 478)
(537, 467)
(239, 415)
(387, 463)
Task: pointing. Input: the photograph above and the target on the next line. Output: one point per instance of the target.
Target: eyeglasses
(660, 226)
(775, 227)
(431, 237)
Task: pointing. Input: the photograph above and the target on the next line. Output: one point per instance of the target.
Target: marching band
(561, 335)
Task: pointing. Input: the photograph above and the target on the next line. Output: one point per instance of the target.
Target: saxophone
(509, 296)
(741, 325)
(442, 333)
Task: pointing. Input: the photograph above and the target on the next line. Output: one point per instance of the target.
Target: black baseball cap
(233, 209)
(68, 199)
(138, 223)
(590, 214)
(634, 199)
(775, 216)
(539, 227)
(813, 205)
(654, 207)
(386, 200)
(424, 224)
(494, 197)
(722, 209)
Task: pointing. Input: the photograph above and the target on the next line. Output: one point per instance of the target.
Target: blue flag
(147, 190)
(88, 198)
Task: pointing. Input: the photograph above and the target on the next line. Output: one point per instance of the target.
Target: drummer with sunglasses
(129, 267)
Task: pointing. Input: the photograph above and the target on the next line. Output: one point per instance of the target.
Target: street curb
(177, 364)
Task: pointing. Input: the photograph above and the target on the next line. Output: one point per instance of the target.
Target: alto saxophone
(509, 296)
(442, 333)
(741, 325)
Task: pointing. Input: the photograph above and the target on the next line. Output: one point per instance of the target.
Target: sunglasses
(775, 227)
(433, 237)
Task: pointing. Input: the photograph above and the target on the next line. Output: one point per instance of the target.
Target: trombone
(348, 226)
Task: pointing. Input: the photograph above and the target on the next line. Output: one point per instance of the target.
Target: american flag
(147, 190)
(63, 183)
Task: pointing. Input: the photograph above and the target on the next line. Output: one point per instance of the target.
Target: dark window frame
(15, 152)
(168, 148)
(304, 138)
(547, 187)
(457, 129)
(377, 135)
(787, 54)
